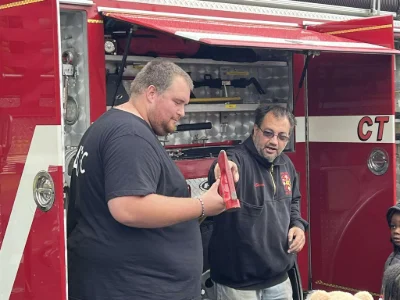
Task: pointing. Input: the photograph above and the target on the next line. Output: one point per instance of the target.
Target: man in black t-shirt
(132, 229)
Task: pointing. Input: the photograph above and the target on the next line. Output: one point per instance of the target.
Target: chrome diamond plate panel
(253, 9)
(232, 124)
(73, 38)
(237, 127)
(73, 31)
(197, 186)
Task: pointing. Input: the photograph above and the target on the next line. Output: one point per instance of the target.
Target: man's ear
(151, 93)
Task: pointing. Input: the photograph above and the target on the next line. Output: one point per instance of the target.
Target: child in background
(391, 283)
(393, 261)
(393, 219)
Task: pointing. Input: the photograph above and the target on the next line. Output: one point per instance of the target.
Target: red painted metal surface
(298, 157)
(211, 11)
(228, 33)
(374, 30)
(196, 11)
(97, 78)
(195, 168)
(42, 270)
(350, 238)
(349, 234)
(332, 94)
(30, 96)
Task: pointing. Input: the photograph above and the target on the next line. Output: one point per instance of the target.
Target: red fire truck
(62, 64)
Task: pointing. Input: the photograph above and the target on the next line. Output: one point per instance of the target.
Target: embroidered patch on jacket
(287, 185)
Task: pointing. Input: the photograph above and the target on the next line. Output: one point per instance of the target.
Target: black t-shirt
(120, 155)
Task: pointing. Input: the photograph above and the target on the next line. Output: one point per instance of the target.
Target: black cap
(391, 211)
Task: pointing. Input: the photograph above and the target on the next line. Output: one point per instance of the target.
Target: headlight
(110, 47)
(67, 57)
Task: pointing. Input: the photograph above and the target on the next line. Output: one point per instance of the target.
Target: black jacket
(248, 247)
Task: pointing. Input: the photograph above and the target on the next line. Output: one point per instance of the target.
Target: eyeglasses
(270, 134)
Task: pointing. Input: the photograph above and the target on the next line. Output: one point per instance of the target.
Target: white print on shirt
(79, 161)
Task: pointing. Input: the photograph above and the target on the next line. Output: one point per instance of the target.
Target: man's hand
(297, 240)
(213, 202)
(234, 170)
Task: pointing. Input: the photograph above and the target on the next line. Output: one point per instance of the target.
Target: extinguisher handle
(226, 187)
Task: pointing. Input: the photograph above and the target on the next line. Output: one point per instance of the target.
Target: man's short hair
(160, 74)
(277, 110)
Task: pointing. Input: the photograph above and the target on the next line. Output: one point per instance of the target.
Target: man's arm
(153, 210)
(132, 171)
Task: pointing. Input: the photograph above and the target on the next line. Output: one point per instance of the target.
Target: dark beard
(162, 129)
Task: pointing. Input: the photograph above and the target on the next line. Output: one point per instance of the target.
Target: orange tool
(227, 185)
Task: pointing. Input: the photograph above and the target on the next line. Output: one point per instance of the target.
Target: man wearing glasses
(252, 249)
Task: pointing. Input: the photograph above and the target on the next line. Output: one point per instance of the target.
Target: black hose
(386, 5)
(194, 126)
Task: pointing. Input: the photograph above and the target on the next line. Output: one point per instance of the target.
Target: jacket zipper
(271, 172)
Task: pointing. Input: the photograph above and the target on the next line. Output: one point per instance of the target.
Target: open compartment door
(229, 32)
(32, 247)
(351, 143)
(373, 30)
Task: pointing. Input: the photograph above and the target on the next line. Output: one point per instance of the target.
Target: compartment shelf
(191, 108)
(219, 107)
(138, 59)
